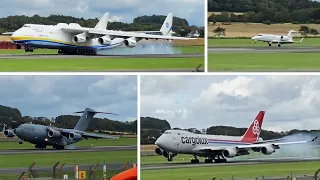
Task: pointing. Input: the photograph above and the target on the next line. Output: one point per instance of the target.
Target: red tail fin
(253, 132)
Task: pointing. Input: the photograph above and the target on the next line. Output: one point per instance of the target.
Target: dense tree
(275, 11)
(12, 117)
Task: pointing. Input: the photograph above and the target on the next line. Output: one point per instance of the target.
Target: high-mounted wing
(74, 134)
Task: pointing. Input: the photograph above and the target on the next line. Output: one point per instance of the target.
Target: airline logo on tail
(253, 132)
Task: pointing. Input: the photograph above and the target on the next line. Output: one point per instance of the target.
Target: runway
(44, 151)
(56, 56)
(284, 49)
(231, 162)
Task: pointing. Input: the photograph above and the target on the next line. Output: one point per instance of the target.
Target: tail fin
(86, 118)
(103, 23)
(253, 132)
(166, 28)
(290, 35)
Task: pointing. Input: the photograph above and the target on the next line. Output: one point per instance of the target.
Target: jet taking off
(43, 136)
(276, 39)
(218, 148)
(74, 39)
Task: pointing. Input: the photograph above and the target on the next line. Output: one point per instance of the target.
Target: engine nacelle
(75, 136)
(8, 133)
(229, 153)
(267, 150)
(53, 133)
(158, 151)
(105, 40)
(80, 38)
(130, 42)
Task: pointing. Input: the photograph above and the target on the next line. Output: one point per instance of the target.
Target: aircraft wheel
(208, 161)
(59, 147)
(269, 45)
(194, 161)
(20, 142)
(279, 45)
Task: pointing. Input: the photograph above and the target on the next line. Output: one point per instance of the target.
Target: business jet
(74, 39)
(218, 148)
(276, 39)
(43, 136)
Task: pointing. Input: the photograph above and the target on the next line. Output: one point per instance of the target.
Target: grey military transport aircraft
(43, 136)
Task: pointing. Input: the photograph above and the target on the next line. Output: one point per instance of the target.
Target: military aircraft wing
(86, 135)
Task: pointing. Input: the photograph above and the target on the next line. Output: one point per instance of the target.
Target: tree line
(152, 128)
(143, 23)
(13, 118)
(262, 11)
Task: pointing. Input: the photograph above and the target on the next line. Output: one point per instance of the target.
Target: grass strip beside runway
(237, 171)
(264, 62)
(230, 42)
(49, 159)
(84, 143)
(98, 64)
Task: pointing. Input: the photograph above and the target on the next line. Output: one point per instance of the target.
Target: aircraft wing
(87, 135)
(271, 140)
(122, 34)
(244, 148)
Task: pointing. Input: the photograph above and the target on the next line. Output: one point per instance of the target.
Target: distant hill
(12, 117)
(273, 11)
(152, 128)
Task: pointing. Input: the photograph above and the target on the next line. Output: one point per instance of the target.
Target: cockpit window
(26, 26)
(167, 133)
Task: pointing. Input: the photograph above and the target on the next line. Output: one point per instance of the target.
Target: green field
(24, 160)
(240, 171)
(83, 143)
(99, 64)
(263, 61)
(233, 42)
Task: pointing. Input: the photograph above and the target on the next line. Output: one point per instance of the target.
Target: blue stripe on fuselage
(43, 43)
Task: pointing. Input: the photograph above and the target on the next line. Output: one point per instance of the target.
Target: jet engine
(105, 40)
(8, 133)
(80, 38)
(53, 133)
(158, 151)
(267, 150)
(75, 136)
(229, 153)
(130, 42)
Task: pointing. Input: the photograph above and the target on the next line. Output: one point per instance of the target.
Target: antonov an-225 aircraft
(74, 39)
(218, 148)
(43, 136)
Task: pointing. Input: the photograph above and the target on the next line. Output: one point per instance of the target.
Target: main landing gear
(58, 147)
(216, 159)
(88, 52)
(40, 146)
(26, 49)
(279, 44)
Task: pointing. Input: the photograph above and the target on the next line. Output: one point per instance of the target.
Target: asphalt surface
(44, 151)
(283, 49)
(230, 162)
(56, 56)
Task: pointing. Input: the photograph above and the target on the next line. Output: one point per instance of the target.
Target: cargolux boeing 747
(218, 148)
(74, 39)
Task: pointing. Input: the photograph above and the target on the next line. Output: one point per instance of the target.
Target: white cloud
(51, 96)
(203, 101)
(124, 10)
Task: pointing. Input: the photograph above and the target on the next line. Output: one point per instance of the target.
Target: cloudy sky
(51, 96)
(120, 10)
(203, 101)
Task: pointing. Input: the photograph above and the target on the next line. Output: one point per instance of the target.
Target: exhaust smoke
(143, 47)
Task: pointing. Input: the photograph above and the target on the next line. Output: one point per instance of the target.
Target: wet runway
(56, 56)
(89, 149)
(231, 162)
(283, 49)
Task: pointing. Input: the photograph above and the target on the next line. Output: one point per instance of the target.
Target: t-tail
(166, 28)
(103, 23)
(290, 34)
(253, 132)
(86, 118)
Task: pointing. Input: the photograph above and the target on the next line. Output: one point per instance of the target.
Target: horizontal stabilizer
(93, 111)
